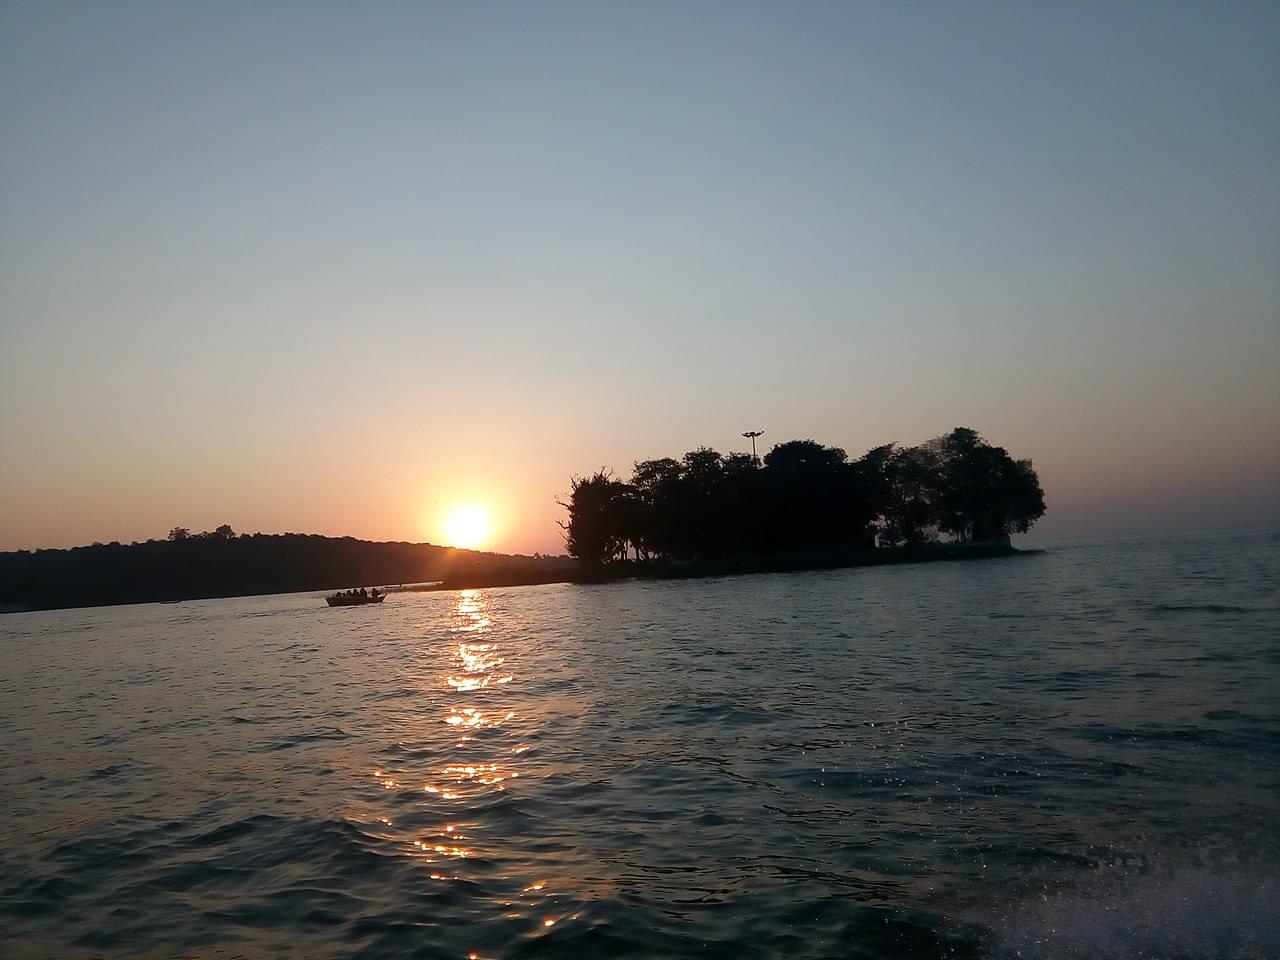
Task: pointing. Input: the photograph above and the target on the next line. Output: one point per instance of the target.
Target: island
(804, 506)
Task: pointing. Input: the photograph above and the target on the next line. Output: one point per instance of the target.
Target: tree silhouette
(984, 494)
(219, 564)
(595, 532)
(803, 496)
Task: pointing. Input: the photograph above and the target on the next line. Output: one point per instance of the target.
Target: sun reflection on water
(445, 850)
(479, 766)
(476, 671)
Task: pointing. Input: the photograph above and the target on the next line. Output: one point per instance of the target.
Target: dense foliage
(804, 496)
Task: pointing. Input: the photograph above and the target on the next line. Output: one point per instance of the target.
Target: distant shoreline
(470, 571)
(222, 563)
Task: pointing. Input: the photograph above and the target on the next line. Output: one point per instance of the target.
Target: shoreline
(810, 561)
(521, 575)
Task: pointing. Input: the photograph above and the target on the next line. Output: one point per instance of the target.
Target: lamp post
(752, 434)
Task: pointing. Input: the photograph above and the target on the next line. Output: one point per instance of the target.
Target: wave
(1188, 914)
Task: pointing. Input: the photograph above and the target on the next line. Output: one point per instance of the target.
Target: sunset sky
(342, 268)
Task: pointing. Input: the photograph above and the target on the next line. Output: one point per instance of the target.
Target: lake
(1074, 753)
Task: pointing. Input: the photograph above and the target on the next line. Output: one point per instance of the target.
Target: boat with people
(355, 598)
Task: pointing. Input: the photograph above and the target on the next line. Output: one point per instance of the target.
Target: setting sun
(468, 527)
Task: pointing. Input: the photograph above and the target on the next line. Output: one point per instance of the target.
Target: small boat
(346, 599)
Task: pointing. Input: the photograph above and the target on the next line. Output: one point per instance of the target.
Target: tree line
(803, 496)
(221, 563)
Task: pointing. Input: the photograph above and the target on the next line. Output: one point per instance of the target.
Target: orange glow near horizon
(469, 527)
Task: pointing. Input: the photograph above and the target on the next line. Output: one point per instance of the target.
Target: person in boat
(374, 593)
(362, 593)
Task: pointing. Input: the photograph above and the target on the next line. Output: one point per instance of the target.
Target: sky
(342, 268)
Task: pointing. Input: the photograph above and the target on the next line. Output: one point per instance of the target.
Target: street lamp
(752, 434)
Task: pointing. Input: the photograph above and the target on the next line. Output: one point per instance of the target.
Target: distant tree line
(803, 497)
(221, 563)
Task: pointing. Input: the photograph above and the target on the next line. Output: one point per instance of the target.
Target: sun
(468, 527)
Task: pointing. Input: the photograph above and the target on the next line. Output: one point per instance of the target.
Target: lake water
(1070, 754)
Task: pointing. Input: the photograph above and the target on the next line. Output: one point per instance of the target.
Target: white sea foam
(1187, 913)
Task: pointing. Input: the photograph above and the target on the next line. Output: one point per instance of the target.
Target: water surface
(1072, 754)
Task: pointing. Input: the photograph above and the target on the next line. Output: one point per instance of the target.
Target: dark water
(1074, 754)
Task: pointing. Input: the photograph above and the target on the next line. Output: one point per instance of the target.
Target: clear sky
(338, 268)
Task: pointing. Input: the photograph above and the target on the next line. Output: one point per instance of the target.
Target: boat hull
(353, 601)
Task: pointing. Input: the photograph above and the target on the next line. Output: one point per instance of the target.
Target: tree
(1023, 497)
(657, 485)
(808, 497)
(873, 479)
(593, 533)
(911, 511)
(804, 457)
(697, 504)
(984, 493)
(179, 533)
